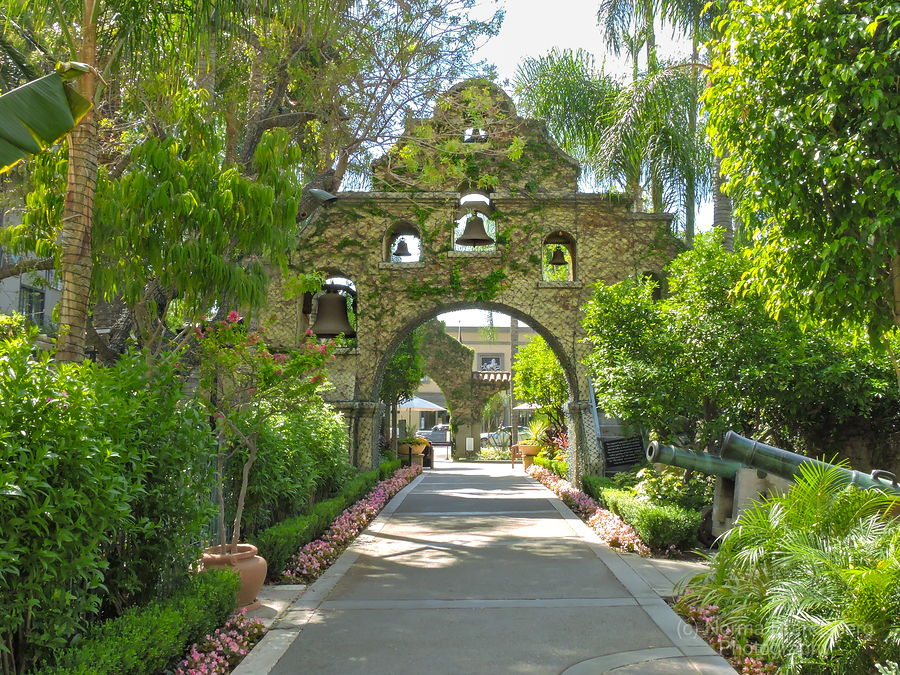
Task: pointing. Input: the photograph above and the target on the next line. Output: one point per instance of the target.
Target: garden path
(477, 568)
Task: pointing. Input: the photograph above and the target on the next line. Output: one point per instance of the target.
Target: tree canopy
(538, 378)
(805, 102)
(706, 359)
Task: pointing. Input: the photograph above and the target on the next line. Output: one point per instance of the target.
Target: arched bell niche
(558, 256)
(659, 282)
(402, 243)
(474, 230)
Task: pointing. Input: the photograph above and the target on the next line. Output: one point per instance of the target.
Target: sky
(533, 28)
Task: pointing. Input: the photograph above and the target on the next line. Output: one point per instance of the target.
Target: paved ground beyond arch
(477, 568)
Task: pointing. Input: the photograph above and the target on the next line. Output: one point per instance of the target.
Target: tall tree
(538, 378)
(402, 376)
(338, 77)
(623, 132)
(805, 113)
(107, 36)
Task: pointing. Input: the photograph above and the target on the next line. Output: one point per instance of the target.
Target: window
(31, 304)
(490, 362)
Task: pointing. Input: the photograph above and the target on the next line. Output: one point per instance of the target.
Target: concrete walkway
(477, 568)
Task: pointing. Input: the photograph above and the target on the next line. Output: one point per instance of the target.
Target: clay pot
(529, 450)
(249, 565)
(414, 448)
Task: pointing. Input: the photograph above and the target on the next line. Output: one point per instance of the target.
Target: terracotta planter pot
(529, 450)
(417, 448)
(527, 460)
(251, 567)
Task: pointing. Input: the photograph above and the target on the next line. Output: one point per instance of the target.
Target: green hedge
(658, 526)
(388, 468)
(147, 640)
(561, 469)
(278, 543)
(594, 486)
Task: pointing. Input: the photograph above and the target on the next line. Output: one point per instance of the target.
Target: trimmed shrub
(668, 487)
(658, 526)
(278, 543)
(146, 640)
(559, 468)
(301, 457)
(105, 491)
(594, 486)
(387, 469)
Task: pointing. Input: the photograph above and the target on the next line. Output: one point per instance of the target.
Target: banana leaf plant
(40, 113)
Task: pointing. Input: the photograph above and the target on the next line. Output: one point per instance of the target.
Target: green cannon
(787, 465)
(692, 461)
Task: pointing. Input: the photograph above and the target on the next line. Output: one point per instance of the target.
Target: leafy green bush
(145, 640)
(658, 526)
(167, 440)
(594, 486)
(103, 477)
(301, 454)
(668, 487)
(815, 572)
(706, 359)
(561, 469)
(387, 469)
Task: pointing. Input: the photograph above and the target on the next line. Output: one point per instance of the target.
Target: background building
(493, 353)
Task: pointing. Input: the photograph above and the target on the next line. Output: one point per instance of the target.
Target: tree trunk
(242, 496)
(690, 188)
(78, 215)
(513, 350)
(722, 209)
(394, 433)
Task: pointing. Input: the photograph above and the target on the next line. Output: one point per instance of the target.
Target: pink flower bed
(314, 558)
(737, 647)
(608, 526)
(224, 649)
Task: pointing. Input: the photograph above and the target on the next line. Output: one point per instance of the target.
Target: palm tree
(578, 103)
(699, 19)
(622, 132)
(108, 36)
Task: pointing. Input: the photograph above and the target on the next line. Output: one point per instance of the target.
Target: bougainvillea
(608, 526)
(314, 558)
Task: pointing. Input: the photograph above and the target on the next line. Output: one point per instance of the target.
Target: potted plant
(536, 429)
(243, 386)
(411, 444)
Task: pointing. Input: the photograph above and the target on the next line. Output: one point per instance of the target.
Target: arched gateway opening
(534, 196)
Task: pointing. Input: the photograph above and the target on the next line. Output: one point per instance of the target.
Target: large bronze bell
(474, 234)
(402, 250)
(331, 319)
(558, 258)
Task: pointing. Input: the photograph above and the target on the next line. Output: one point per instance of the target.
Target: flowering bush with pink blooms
(247, 386)
(608, 526)
(738, 645)
(314, 558)
(224, 649)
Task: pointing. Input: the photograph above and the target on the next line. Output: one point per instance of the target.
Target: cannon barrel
(787, 464)
(692, 461)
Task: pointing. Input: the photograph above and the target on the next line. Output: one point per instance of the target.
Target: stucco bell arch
(534, 195)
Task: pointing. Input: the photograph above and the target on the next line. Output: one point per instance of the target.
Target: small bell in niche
(558, 258)
(402, 250)
(474, 234)
(332, 319)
